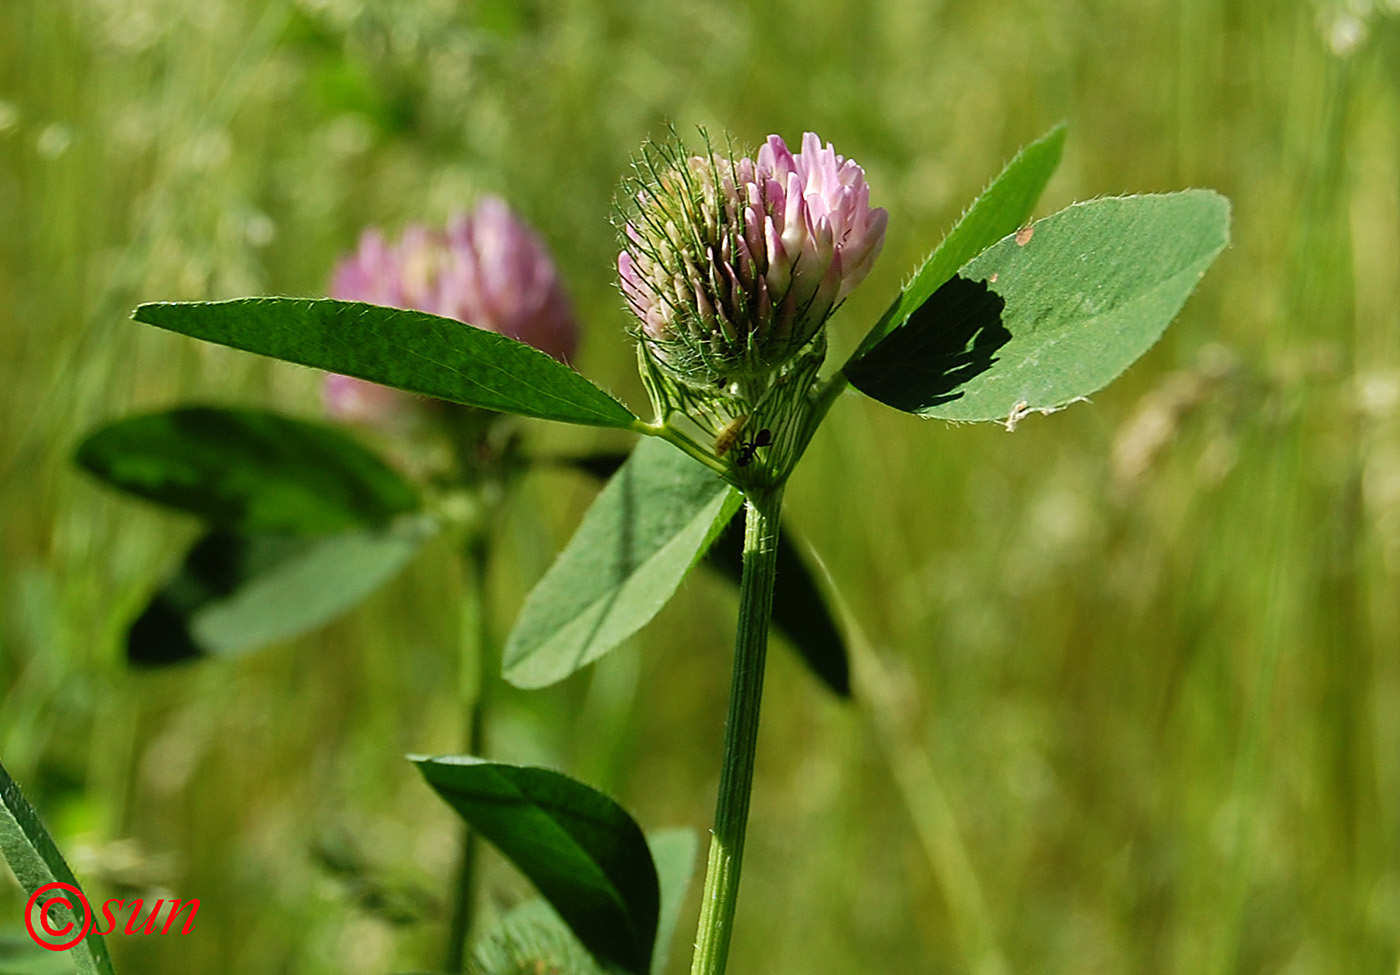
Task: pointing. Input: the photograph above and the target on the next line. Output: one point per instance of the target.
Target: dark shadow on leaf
(214, 568)
(248, 470)
(161, 636)
(951, 339)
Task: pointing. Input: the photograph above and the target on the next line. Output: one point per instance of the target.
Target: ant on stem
(747, 449)
(729, 436)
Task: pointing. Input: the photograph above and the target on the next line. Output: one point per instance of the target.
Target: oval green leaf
(249, 470)
(34, 858)
(586, 856)
(234, 593)
(410, 350)
(800, 610)
(647, 527)
(1003, 206)
(1051, 313)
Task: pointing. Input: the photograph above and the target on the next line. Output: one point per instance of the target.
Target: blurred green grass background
(1130, 676)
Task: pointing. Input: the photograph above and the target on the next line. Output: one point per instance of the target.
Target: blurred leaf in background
(254, 471)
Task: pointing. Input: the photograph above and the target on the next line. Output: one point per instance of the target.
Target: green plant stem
(826, 394)
(740, 733)
(684, 443)
(476, 660)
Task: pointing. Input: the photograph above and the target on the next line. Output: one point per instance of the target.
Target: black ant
(746, 450)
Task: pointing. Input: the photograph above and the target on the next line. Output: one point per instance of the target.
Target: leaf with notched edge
(1052, 312)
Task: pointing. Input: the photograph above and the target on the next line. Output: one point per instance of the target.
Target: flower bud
(732, 266)
(486, 268)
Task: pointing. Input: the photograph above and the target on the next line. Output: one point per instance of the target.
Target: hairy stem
(740, 734)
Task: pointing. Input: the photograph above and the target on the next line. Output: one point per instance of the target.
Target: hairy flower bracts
(732, 267)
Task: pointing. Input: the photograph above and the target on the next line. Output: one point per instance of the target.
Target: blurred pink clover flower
(485, 268)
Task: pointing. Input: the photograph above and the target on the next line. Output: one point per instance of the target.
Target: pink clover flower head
(732, 266)
(352, 400)
(485, 268)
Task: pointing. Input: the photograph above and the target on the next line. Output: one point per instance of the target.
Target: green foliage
(582, 851)
(800, 611)
(234, 592)
(532, 937)
(410, 350)
(1143, 650)
(674, 852)
(36, 862)
(249, 470)
(1001, 208)
(19, 955)
(1052, 313)
(650, 523)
